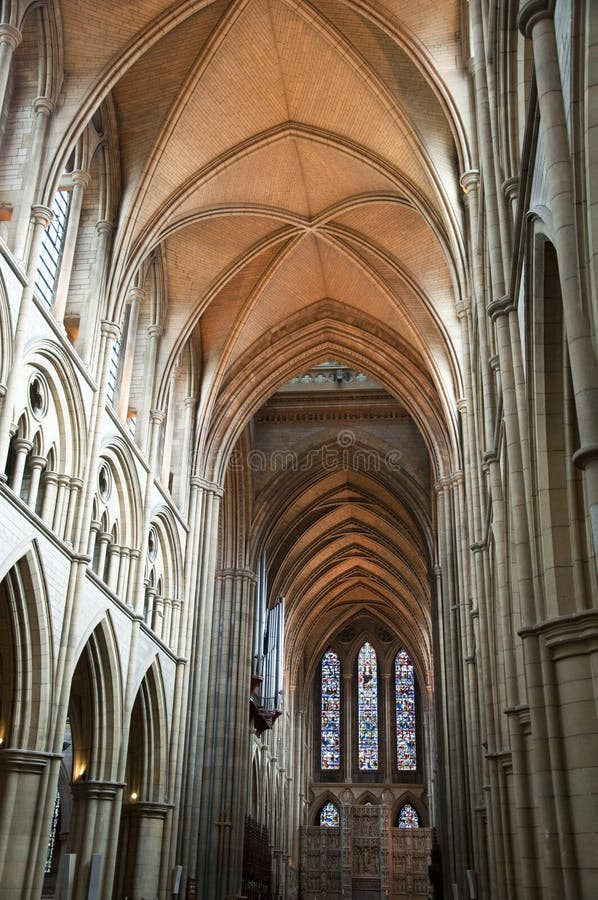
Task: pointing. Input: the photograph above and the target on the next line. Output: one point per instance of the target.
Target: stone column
(80, 181)
(10, 38)
(61, 504)
(104, 540)
(38, 464)
(123, 573)
(141, 849)
(536, 21)
(174, 624)
(347, 736)
(130, 598)
(142, 432)
(87, 339)
(196, 635)
(169, 430)
(150, 596)
(96, 808)
(226, 760)
(158, 617)
(386, 748)
(21, 448)
(94, 529)
(50, 485)
(113, 566)
(75, 485)
(43, 108)
(135, 296)
(23, 777)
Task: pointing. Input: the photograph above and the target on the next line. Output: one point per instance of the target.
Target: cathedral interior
(299, 449)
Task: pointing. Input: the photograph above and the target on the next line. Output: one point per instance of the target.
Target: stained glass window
(408, 817)
(329, 817)
(367, 702)
(405, 719)
(331, 711)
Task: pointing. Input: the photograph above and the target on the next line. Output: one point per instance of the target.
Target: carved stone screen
(409, 864)
(365, 859)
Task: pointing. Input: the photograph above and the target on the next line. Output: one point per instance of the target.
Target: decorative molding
(502, 306)
(585, 455)
(532, 12)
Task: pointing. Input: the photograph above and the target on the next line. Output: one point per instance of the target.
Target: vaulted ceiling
(284, 155)
(297, 164)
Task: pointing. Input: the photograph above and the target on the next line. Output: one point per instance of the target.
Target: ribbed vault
(281, 155)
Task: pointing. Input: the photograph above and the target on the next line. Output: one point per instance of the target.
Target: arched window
(408, 817)
(329, 816)
(367, 708)
(405, 713)
(330, 743)
(50, 257)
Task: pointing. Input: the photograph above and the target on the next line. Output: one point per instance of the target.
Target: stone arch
(125, 499)
(304, 342)
(6, 338)
(554, 433)
(95, 706)
(320, 803)
(145, 807)
(416, 802)
(367, 798)
(147, 753)
(64, 427)
(26, 651)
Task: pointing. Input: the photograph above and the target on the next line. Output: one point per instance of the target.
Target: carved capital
(80, 177)
(43, 105)
(470, 181)
(104, 226)
(110, 329)
(585, 455)
(532, 12)
(11, 35)
(41, 215)
(502, 306)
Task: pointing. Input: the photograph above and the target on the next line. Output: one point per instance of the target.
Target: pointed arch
(26, 658)
(147, 752)
(95, 706)
(408, 816)
(329, 815)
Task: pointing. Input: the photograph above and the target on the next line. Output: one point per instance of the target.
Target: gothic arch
(416, 802)
(95, 705)
(305, 342)
(147, 753)
(6, 339)
(26, 655)
(125, 500)
(68, 406)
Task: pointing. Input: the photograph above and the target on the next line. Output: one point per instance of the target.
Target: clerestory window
(48, 266)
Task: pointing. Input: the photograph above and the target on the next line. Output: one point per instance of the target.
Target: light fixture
(134, 795)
